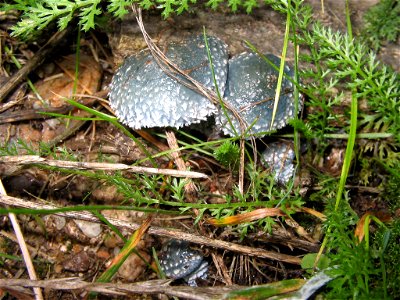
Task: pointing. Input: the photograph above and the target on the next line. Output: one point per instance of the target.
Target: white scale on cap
(179, 261)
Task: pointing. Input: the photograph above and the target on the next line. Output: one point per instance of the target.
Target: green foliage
(262, 192)
(340, 68)
(387, 248)
(234, 5)
(361, 270)
(349, 64)
(178, 189)
(355, 269)
(37, 15)
(228, 154)
(119, 7)
(21, 147)
(308, 262)
(170, 6)
(391, 188)
(382, 23)
(150, 192)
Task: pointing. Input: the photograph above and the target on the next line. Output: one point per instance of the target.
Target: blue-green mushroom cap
(178, 261)
(279, 158)
(143, 95)
(251, 90)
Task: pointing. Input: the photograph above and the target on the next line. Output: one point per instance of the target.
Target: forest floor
(82, 163)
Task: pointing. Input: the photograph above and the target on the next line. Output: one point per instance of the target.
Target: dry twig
(23, 247)
(190, 188)
(147, 287)
(93, 166)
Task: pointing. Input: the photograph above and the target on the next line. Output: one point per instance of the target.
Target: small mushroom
(179, 261)
(143, 95)
(279, 157)
(251, 90)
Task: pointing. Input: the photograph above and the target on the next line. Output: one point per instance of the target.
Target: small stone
(77, 262)
(133, 266)
(77, 248)
(53, 123)
(103, 254)
(58, 268)
(111, 241)
(65, 247)
(54, 222)
(89, 229)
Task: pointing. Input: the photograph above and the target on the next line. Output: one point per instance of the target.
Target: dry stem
(23, 247)
(93, 166)
(190, 188)
(147, 287)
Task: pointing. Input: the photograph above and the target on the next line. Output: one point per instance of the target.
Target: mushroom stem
(190, 188)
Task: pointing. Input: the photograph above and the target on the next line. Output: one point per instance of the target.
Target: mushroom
(143, 95)
(179, 261)
(251, 91)
(279, 157)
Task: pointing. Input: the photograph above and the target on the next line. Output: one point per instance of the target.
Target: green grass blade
(125, 252)
(349, 149)
(221, 102)
(112, 227)
(281, 67)
(115, 122)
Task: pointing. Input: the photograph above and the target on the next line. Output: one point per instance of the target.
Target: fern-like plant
(37, 15)
(382, 23)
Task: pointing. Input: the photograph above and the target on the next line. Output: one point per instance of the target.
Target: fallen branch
(146, 287)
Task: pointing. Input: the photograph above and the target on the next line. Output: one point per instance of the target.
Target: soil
(66, 247)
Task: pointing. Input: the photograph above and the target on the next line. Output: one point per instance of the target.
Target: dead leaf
(314, 213)
(359, 232)
(247, 217)
(61, 84)
(381, 215)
